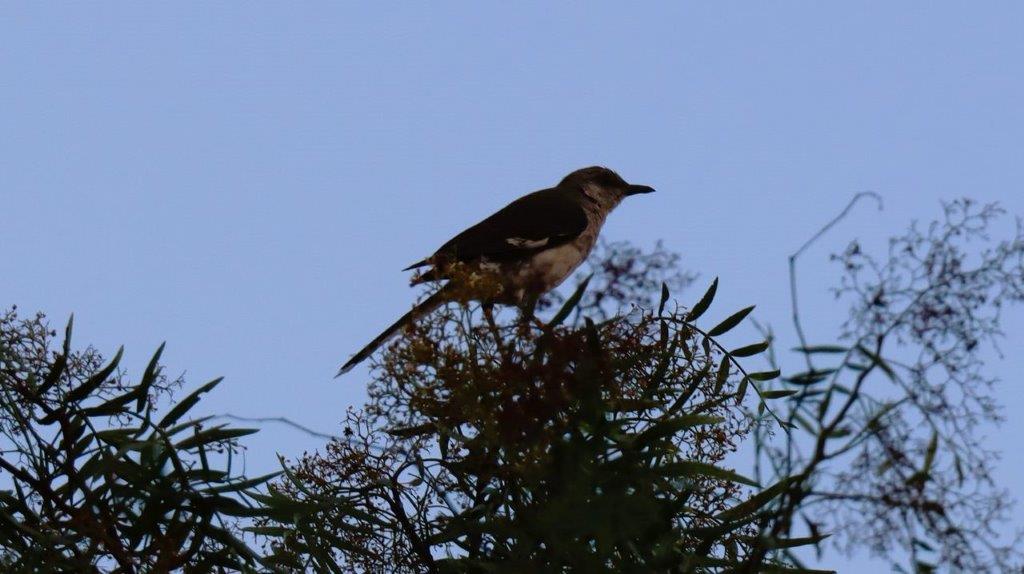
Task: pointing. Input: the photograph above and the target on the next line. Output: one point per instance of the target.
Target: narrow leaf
(722, 375)
(61, 363)
(97, 379)
(571, 303)
(212, 435)
(671, 426)
(809, 377)
(187, 403)
(148, 377)
(730, 322)
(765, 375)
(692, 467)
(244, 484)
(778, 394)
(756, 502)
(929, 455)
(704, 302)
(742, 390)
(424, 428)
(750, 350)
(793, 543)
(878, 360)
(824, 349)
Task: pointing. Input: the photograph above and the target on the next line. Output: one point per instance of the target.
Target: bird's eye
(610, 179)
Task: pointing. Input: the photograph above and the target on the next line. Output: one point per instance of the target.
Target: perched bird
(531, 245)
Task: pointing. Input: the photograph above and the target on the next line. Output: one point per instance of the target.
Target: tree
(601, 439)
(95, 480)
(890, 414)
(507, 446)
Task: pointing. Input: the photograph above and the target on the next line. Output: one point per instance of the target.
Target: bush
(512, 446)
(95, 479)
(598, 441)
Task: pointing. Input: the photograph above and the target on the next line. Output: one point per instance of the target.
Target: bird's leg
(488, 311)
(528, 307)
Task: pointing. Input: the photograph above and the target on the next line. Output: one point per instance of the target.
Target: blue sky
(245, 181)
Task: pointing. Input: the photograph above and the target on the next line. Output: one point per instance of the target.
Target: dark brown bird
(531, 245)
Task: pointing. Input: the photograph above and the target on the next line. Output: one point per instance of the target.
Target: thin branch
(281, 420)
(792, 263)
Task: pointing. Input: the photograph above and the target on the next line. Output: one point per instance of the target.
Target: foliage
(94, 480)
(891, 412)
(507, 446)
(601, 440)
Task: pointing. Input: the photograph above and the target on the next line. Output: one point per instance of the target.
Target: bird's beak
(635, 189)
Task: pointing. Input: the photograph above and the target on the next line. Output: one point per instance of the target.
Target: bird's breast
(546, 269)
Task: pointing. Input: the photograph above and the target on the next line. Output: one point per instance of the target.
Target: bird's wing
(541, 220)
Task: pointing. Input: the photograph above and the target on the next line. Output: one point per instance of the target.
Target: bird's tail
(428, 305)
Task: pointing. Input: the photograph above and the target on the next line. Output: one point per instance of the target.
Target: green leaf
(664, 298)
(671, 426)
(245, 484)
(810, 377)
(824, 404)
(778, 394)
(289, 509)
(722, 375)
(207, 475)
(756, 502)
(117, 436)
(212, 435)
(60, 364)
(187, 403)
(765, 375)
(191, 423)
(750, 349)
(704, 302)
(148, 377)
(403, 432)
(791, 543)
(824, 349)
(97, 379)
(570, 303)
(730, 322)
(742, 390)
(111, 407)
(228, 540)
(878, 360)
(777, 569)
(929, 454)
(804, 423)
(692, 467)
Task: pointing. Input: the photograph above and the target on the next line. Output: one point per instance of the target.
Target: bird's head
(602, 185)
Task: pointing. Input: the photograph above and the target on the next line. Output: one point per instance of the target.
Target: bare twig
(281, 420)
(792, 262)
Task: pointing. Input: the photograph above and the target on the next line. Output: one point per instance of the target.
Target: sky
(245, 181)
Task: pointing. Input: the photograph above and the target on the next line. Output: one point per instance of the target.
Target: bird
(531, 245)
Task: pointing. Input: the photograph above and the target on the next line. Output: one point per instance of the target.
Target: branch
(281, 420)
(792, 262)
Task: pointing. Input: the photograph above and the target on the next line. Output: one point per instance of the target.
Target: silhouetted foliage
(509, 446)
(94, 480)
(600, 440)
(892, 410)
